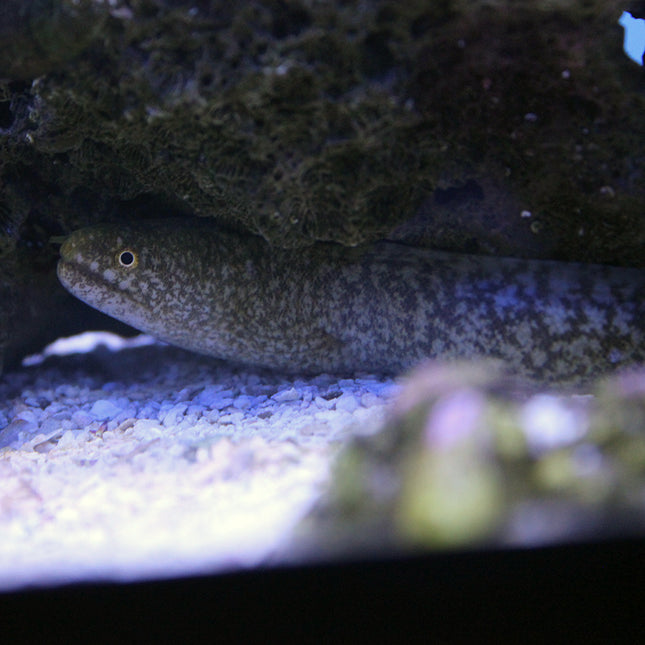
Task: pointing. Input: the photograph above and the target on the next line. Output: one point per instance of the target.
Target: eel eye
(127, 259)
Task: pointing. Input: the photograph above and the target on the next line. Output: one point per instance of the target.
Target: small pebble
(149, 410)
(28, 415)
(214, 397)
(290, 394)
(104, 409)
(347, 402)
(145, 429)
(325, 404)
(243, 402)
(174, 415)
(233, 418)
(67, 440)
(50, 425)
(16, 431)
(369, 398)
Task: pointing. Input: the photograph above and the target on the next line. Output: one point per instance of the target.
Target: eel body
(380, 308)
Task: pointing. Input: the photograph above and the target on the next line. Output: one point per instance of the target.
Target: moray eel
(379, 308)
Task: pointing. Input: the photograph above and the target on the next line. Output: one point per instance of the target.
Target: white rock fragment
(53, 424)
(54, 408)
(82, 419)
(184, 394)
(67, 440)
(16, 432)
(232, 418)
(289, 394)
(207, 395)
(214, 397)
(212, 416)
(149, 410)
(145, 429)
(197, 410)
(32, 401)
(243, 402)
(29, 415)
(369, 399)
(347, 402)
(104, 409)
(325, 404)
(174, 415)
(68, 391)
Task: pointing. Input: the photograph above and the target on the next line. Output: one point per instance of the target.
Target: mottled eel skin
(379, 309)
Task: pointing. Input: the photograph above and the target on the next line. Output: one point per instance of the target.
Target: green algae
(466, 458)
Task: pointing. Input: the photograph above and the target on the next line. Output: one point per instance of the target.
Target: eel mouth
(71, 269)
(71, 274)
(74, 274)
(86, 284)
(67, 247)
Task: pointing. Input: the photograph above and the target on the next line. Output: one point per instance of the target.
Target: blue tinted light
(634, 43)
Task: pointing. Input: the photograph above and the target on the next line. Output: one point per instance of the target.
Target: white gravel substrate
(151, 462)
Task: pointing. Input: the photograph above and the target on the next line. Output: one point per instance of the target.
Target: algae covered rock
(468, 458)
(39, 36)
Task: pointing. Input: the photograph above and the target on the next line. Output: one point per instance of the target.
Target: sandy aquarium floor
(152, 462)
